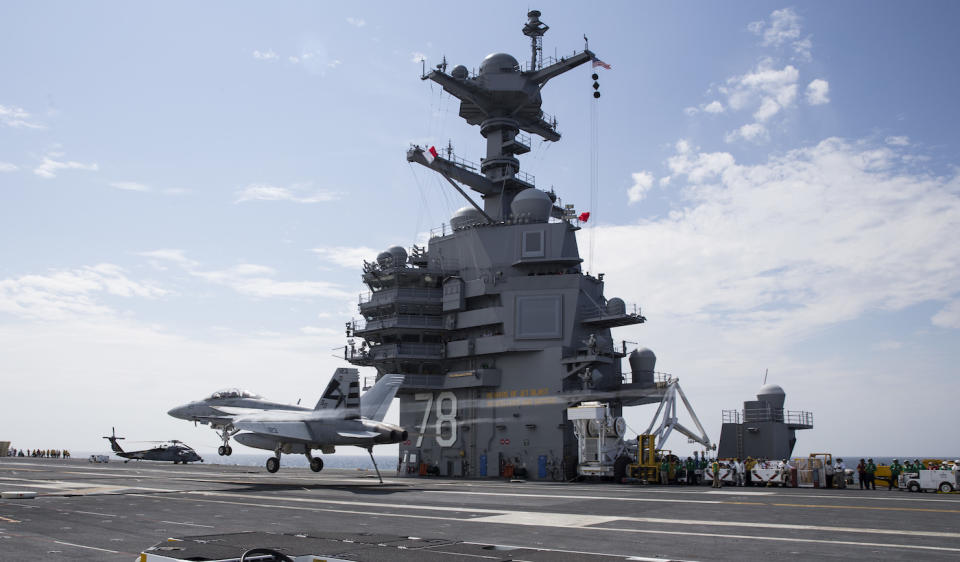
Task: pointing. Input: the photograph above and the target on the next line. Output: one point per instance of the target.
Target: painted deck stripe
(88, 547)
(513, 497)
(188, 524)
(592, 529)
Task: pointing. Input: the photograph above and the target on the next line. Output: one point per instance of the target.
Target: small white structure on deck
(599, 437)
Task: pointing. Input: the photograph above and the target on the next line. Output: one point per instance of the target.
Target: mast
(502, 100)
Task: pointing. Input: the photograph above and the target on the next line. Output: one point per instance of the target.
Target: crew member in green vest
(691, 467)
(895, 470)
(715, 469)
(871, 469)
(665, 471)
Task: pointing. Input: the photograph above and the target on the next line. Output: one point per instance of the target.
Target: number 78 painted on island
(442, 417)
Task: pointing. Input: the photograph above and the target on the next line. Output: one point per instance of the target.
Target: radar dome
(459, 72)
(531, 204)
(642, 364)
(772, 394)
(398, 254)
(466, 217)
(499, 63)
(616, 307)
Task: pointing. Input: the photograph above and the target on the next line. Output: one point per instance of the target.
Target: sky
(187, 192)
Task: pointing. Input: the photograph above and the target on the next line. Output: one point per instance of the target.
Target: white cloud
(642, 182)
(356, 22)
(714, 107)
(776, 250)
(818, 92)
(767, 90)
(66, 293)
(257, 281)
(897, 141)
(129, 186)
(265, 55)
(266, 192)
(49, 167)
(417, 56)
(754, 132)
(700, 166)
(346, 256)
(172, 255)
(764, 83)
(8, 167)
(949, 316)
(248, 278)
(17, 117)
(691, 111)
(783, 29)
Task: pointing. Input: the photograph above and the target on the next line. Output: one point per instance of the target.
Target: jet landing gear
(316, 463)
(273, 464)
(375, 467)
(226, 450)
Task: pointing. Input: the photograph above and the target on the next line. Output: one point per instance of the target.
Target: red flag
(430, 154)
(584, 216)
(600, 63)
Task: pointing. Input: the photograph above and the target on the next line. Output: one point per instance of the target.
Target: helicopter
(176, 451)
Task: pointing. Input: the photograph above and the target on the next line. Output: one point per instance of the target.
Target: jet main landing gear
(226, 450)
(316, 463)
(273, 464)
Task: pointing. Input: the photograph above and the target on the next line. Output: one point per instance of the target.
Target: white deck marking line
(789, 539)
(95, 513)
(778, 503)
(592, 529)
(189, 524)
(567, 551)
(90, 547)
(501, 516)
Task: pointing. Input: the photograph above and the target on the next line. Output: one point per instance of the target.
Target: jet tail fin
(343, 392)
(113, 440)
(375, 402)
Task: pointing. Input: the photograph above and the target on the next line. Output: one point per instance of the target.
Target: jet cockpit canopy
(232, 393)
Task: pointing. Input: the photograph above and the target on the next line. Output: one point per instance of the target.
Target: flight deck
(115, 511)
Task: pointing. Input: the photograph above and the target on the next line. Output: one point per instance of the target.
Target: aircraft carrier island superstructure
(495, 324)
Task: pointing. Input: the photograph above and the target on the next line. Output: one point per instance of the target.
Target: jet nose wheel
(316, 464)
(221, 450)
(228, 450)
(273, 464)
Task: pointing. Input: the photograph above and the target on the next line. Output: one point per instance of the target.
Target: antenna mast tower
(534, 29)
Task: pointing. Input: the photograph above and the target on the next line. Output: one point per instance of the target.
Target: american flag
(598, 62)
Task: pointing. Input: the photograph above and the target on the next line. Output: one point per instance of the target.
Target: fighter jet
(220, 408)
(176, 451)
(341, 417)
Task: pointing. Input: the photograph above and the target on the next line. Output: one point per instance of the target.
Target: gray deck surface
(114, 511)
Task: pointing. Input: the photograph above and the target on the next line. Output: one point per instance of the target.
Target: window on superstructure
(532, 244)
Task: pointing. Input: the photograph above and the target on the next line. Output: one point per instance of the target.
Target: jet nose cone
(178, 412)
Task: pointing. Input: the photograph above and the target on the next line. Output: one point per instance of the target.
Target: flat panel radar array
(494, 324)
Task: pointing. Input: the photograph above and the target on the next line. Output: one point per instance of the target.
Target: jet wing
(285, 429)
(357, 434)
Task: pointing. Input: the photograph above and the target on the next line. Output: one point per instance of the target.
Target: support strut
(375, 467)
